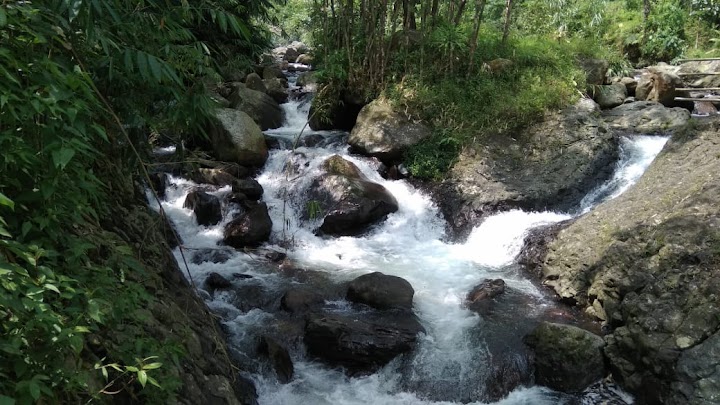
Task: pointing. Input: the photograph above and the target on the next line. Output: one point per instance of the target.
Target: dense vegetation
(83, 83)
(432, 58)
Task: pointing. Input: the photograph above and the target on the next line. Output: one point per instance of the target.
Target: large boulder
(272, 72)
(382, 132)
(206, 207)
(279, 358)
(361, 343)
(291, 54)
(304, 59)
(646, 263)
(567, 358)
(659, 86)
(381, 291)
(701, 80)
(595, 71)
(251, 228)
(347, 200)
(259, 106)
(236, 138)
(646, 117)
(611, 95)
(550, 165)
(253, 81)
(275, 88)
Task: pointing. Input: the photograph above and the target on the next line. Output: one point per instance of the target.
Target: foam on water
(410, 244)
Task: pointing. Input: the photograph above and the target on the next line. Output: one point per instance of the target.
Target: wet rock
(206, 207)
(347, 201)
(535, 246)
(159, 183)
(238, 198)
(382, 132)
(216, 177)
(300, 300)
(646, 117)
(658, 86)
(291, 54)
(236, 138)
(253, 81)
(250, 229)
(360, 343)
(304, 59)
(381, 291)
(273, 72)
(647, 263)
(211, 255)
(273, 142)
(567, 358)
(275, 256)
(215, 281)
(275, 88)
(311, 141)
(341, 113)
(279, 358)
(249, 187)
(478, 299)
(307, 80)
(609, 96)
(630, 85)
(551, 165)
(259, 106)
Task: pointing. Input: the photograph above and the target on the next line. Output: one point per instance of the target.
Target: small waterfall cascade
(452, 360)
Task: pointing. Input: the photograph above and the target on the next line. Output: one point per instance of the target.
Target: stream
(453, 361)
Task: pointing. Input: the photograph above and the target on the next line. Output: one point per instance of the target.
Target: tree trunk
(479, 8)
(506, 28)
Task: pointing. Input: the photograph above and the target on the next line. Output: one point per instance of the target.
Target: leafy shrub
(665, 39)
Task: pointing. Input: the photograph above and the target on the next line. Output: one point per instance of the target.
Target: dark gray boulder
(249, 187)
(235, 137)
(611, 95)
(206, 207)
(348, 202)
(276, 89)
(567, 358)
(259, 106)
(550, 165)
(300, 300)
(250, 229)
(361, 343)
(253, 81)
(279, 358)
(480, 297)
(646, 117)
(216, 281)
(381, 291)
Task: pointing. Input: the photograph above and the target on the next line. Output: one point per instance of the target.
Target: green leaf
(6, 201)
(142, 64)
(132, 369)
(154, 382)
(142, 377)
(7, 400)
(3, 17)
(152, 366)
(155, 68)
(26, 226)
(34, 388)
(51, 288)
(62, 157)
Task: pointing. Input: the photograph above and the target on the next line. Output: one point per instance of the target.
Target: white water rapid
(453, 359)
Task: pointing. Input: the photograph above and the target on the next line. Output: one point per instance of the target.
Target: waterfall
(452, 358)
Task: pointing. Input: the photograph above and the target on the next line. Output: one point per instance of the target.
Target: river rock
(259, 106)
(237, 138)
(291, 54)
(712, 66)
(279, 358)
(300, 46)
(272, 72)
(160, 182)
(646, 117)
(249, 187)
(216, 281)
(253, 81)
(210, 255)
(348, 201)
(251, 228)
(382, 132)
(304, 59)
(659, 86)
(646, 262)
(611, 95)
(307, 80)
(567, 358)
(381, 291)
(206, 207)
(595, 70)
(630, 85)
(550, 165)
(276, 89)
(361, 343)
(301, 300)
(216, 177)
(477, 299)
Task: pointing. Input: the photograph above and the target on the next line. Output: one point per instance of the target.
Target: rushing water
(453, 358)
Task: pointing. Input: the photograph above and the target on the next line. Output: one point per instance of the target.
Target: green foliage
(71, 69)
(665, 32)
(294, 21)
(462, 110)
